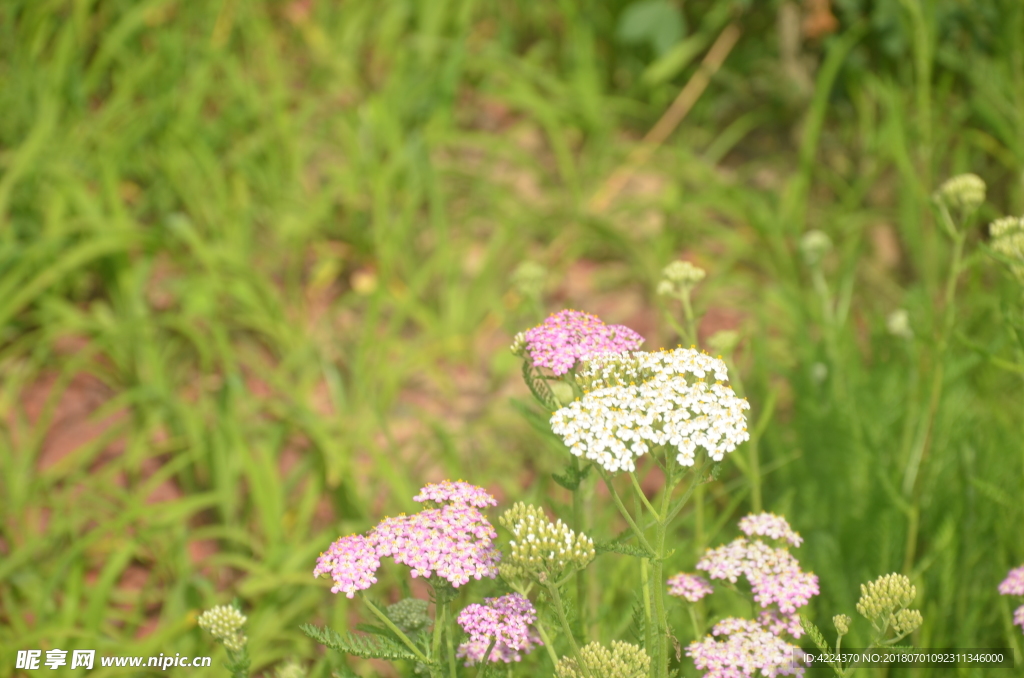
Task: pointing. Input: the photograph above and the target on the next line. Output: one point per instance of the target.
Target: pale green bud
(898, 324)
(543, 549)
(965, 192)
(814, 245)
(888, 593)
(724, 342)
(518, 346)
(623, 660)
(611, 370)
(665, 288)
(292, 669)
(684, 273)
(528, 279)
(842, 622)
(223, 623)
(409, 614)
(907, 621)
(1008, 240)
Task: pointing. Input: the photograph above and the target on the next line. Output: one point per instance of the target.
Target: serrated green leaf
(367, 647)
(624, 549)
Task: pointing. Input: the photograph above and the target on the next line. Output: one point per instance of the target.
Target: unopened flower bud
(518, 346)
(528, 279)
(623, 660)
(885, 595)
(223, 623)
(814, 245)
(679, 277)
(723, 342)
(842, 622)
(907, 621)
(898, 324)
(1008, 240)
(965, 192)
(542, 548)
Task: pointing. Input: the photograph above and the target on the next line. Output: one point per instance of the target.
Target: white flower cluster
(635, 400)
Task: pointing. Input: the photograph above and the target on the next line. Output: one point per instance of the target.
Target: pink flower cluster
(508, 619)
(769, 525)
(746, 648)
(460, 493)
(570, 336)
(774, 574)
(454, 542)
(689, 586)
(1013, 585)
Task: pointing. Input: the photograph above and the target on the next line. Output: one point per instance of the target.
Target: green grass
(280, 246)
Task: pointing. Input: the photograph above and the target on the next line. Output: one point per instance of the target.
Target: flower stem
(556, 599)
(625, 513)
(397, 631)
(449, 639)
(547, 642)
(642, 496)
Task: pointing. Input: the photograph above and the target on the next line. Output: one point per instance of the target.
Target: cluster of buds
(885, 600)
(623, 660)
(1008, 240)
(410, 615)
(223, 623)
(814, 245)
(965, 192)
(543, 550)
(678, 278)
(842, 623)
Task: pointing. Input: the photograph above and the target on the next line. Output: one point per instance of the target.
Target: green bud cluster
(292, 669)
(1008, 239)
(528, 279)
(541, 548)
(965, 192)
(907, 621)
(814, 245)
(842, 623)
(518, 346)
(679, 278)
(409, 614)
(623, 660)
(223, 623)
(884, 596)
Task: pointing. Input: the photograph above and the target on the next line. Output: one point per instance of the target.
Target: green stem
(924, 439)
(625, 513)
(397, 631)
(658, 589)
(556, 599)
(547, 642)
(649, 627)
(691, 324)
(642, 496)
(450, 639)
(674, 511)
(578, 519)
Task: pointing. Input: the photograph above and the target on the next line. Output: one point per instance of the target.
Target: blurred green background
(256, 288)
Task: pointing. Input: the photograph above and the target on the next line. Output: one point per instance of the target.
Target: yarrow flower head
(454, 542)
(769, 525)
(964, 192)
(745, 649)
(459, 493)
(637, 400)
(814, 245)
(568, 337)
(1008, 240)
(689, 586)
(351, 562)
(542, 549)
(410, 615)
(223, 622)
(623, 660)
(884, 602)
(508, 619)
(1013, 585)
(678, 278)
(778, 583)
